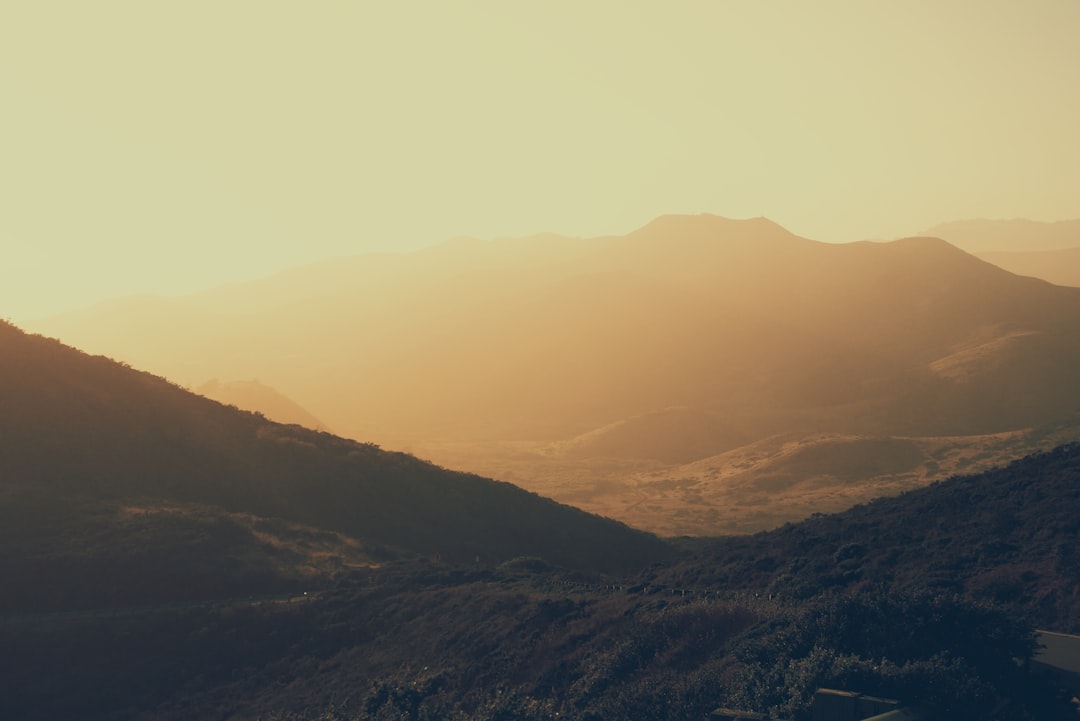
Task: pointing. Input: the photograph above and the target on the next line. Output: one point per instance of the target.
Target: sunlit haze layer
(172, 147)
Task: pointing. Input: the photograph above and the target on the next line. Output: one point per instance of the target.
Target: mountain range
(599, 371)
(983, 235)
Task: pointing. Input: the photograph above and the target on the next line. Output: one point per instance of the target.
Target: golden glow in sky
(170, 147)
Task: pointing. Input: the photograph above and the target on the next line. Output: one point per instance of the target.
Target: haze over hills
(255, 396)
(156, 544)
(572, 366)
(95, 456)
(1050, 251)
(983, 235)
(1060, 267)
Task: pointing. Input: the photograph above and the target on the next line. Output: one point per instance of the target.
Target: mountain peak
(925, 242)
(710, 223)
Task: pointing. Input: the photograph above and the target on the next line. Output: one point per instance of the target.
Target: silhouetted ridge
(705, 226)
(73, 425)
(1016, 234)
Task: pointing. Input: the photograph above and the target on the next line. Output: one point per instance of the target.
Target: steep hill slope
(82, 430)
(1060, 267)
(547, 346)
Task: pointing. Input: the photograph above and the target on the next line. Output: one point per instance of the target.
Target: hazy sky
(170, 146)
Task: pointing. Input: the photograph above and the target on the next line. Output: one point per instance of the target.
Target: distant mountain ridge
(929, 598)
(1014, 235)
(255, 396)
(524, 345)
(1060, 267)
(1050, 251)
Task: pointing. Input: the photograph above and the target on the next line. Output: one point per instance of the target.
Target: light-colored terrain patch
(755, 487)
(296, 549)
(971, 359)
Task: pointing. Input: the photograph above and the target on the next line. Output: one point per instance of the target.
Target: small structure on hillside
(1058, 656)
(833, 705)
(727, 714)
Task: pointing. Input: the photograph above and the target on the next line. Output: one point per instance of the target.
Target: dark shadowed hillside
(156, 548)
(1009, 536)
(77, 430)
(928, 598)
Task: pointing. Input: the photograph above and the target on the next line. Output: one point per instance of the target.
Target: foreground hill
(78, 431)
(927, 597)
(569, 365)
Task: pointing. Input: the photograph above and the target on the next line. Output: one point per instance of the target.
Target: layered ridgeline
(1050, 251)
(254, 395)
(115, 484)
(638, 375)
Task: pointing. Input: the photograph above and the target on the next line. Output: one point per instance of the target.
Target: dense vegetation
(518, 642)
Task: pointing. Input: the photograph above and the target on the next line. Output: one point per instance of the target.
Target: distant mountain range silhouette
(517, 356)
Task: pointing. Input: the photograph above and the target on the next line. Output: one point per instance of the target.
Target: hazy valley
(560, 361)
(167, 557)
(697, 376)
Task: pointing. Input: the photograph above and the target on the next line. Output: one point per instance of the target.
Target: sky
(153, 147)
